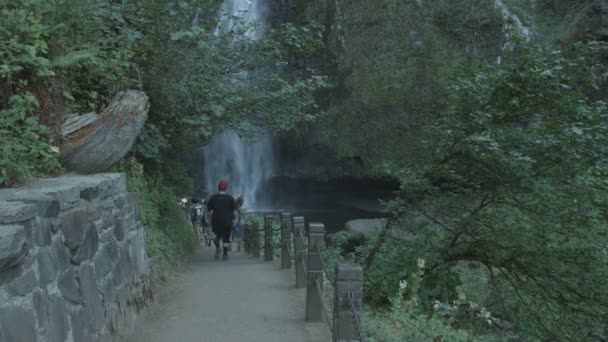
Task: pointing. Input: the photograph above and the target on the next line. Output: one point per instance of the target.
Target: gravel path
(239, 300)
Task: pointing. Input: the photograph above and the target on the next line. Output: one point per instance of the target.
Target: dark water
(332, 203)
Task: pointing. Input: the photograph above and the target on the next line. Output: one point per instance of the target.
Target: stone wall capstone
(73, 264)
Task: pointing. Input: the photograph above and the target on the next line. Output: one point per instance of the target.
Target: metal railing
(343, 314)
(346, 290)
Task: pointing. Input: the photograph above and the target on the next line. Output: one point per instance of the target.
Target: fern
(71, 59)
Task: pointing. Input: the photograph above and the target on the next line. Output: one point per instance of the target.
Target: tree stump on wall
(94, 142)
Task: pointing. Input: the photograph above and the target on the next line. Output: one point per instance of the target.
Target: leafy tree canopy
(72, 56)
(515, 181)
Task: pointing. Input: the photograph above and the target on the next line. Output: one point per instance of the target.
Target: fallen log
(94, 142)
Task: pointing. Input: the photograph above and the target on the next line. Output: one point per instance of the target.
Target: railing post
(285, 241)
(314, 274)
(268, 243)
(299, 246)
(256, 240)
(247, 238)
(348, 303)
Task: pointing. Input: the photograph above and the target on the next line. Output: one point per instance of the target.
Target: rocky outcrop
(65, 274)
(299, 157)
(356, 232)
(96, 142)
(365, 227)
(592, 21)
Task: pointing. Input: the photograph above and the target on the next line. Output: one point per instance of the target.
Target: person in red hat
(223, 211)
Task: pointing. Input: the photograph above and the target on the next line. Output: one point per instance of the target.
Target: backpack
(196, 212)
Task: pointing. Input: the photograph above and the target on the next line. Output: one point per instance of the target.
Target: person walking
(196, 213)
(206, 223)
(223, 211)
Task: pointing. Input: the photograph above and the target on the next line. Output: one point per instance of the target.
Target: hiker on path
(206, 223)
(223, 210)
(196, 214)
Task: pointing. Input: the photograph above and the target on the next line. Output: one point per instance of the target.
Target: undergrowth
(396, 301)
(169, 235)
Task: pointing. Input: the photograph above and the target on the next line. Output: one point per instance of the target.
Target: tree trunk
(95, 142)
(388, 227)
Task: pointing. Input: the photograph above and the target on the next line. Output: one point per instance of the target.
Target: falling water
(512, 24)
(245, 165)
(246, 12)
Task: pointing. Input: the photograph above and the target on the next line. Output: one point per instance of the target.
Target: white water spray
(243, 164)
(245, 12)
(512, 24)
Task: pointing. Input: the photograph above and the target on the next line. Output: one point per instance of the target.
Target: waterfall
(245, 165)
(512, 23)
(247, 11)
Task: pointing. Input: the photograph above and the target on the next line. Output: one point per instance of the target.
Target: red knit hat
(223, 185)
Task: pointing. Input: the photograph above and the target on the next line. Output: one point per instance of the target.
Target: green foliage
(22, 44)
(85, 47)
(400, 326)
(169, 234)
(221, 81)
(151, 143)
(400, 304)
(91, 49)
(390, 61)
(26, 150)
(71, 59)
(503, 166)
(332, 257)
(516, 184)
(55, 57)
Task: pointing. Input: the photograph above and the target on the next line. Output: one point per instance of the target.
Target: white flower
(485, 314)
(462, 297)
(421, 263)
(436, 305)
(403, 285)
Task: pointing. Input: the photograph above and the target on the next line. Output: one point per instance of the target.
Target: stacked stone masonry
(73, 265)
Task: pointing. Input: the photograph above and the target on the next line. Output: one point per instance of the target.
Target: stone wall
(73, 265)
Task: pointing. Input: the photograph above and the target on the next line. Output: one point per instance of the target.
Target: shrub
(26, 150)
(169, 234)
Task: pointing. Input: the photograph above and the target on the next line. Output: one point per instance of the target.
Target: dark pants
(224, 236)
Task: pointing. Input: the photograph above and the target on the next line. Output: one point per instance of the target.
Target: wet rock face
(365, 227)
(597, 22)
(591, 21)
(72, 259)
(13, 245)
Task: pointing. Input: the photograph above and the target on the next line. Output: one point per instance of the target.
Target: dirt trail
(239, 300)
